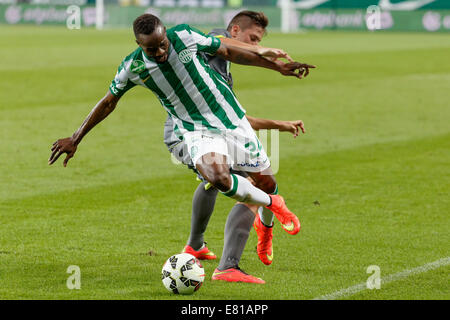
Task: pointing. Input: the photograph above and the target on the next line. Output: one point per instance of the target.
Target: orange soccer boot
(201, 254)
(235, 275)
(264, 246)
(289, 221)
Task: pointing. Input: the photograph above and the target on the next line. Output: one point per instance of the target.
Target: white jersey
(216, 63)
(194, 95)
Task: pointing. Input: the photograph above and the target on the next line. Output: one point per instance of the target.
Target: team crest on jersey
(137, 66)
(185, 56)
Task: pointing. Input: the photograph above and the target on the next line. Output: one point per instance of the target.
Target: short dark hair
(145, 24)
(245, 19)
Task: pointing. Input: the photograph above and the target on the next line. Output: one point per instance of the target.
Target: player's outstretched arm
(293, 127)
(69, 145)
(273, 53)
(245, 57)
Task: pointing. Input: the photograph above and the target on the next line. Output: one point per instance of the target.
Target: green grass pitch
(369, 180)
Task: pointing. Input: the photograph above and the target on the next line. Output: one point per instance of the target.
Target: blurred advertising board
(321, 17)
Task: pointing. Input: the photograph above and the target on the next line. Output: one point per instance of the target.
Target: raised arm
(260, 50)
(69, 145)
(245, 57)
(289, 126)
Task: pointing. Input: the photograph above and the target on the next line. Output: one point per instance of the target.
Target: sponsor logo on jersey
(251, 165)
(113, 89)
(137, 66)
(185, 56)
(216, 41)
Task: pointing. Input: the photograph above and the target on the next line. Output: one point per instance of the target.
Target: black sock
(237, 229)
(202, 208)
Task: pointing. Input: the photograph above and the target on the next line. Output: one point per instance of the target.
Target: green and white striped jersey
(196, 96)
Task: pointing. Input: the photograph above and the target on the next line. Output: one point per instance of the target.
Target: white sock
(266, 216)
(242, 190)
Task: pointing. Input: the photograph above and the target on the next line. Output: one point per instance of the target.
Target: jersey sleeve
(121, 82)
(205, 43)
(219, 33)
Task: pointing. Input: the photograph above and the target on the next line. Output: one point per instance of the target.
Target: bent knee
(268, 185)
(221, 180)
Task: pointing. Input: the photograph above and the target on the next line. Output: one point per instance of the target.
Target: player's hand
(274, 54)
(61, 146)
(293, 127)
(296, 69)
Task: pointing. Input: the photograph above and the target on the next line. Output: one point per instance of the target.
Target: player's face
(252, 35)
(155, 45)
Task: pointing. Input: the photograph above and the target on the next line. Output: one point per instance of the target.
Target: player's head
(151, 36)
(248, 26)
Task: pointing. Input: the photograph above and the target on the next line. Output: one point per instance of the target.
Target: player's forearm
(253, 59)
(258, 123)
(274, 53)
(230, 42)
(103, 108)
(245, 57)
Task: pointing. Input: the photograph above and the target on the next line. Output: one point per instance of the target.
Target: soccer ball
(182, 274)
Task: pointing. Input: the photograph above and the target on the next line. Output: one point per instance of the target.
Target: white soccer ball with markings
(182, 274)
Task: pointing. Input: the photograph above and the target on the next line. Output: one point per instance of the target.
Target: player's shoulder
(181, 26)
(219, 33)
(132, 61)
(177, 32)
(178, 28)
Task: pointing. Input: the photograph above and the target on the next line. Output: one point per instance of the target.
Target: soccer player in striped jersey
(205, 110)
(245, 30)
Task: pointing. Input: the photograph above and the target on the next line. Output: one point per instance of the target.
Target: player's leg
(263, 223)
(209, 152)
(249, 155)
(237, 230)
(266, 182)
(289, 221)
(214, 168)
(240, 219)
(211, 156)
(203, 203)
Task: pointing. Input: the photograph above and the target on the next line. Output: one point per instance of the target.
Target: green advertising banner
(201, 17)
(355, 19)
(430, 20)
(355, 4)
(45, 14)
(388, 5)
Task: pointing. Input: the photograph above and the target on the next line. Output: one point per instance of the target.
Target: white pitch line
(391, 278)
